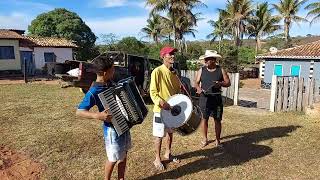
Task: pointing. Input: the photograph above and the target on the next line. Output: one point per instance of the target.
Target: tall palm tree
(314, 11)
(153, 28)
(166, 27)
(176, 9)
(235, 15)
(219, 31)
(184, 26)
(288, 10)
(263, 23)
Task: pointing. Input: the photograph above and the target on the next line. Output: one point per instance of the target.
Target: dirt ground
(251, 83)
(20, 80)
(14, 165)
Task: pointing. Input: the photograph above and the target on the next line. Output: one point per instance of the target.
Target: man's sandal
(172, 159)
(204, 144)
(158, 165)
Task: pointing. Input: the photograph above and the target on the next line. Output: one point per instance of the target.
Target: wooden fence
(289, 93)
(230, 93)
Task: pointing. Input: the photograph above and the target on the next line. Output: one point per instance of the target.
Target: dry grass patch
(40, 120)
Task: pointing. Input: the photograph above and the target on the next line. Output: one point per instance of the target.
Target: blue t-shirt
(91, 98)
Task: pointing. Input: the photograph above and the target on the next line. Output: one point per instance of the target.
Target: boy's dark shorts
(211, 106)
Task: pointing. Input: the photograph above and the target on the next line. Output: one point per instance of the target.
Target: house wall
(261, 69)
(286, 66)
(25, 49)
(11, 64)
(316, 70)
(62, 54)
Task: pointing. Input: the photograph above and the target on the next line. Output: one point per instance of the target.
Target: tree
(235, 16)
(153, 28)
(65, 24)
(275, 41)
(314, 10)
(246, 55)
(288, 10)
(178, 11)
(218, 31)
(263, 24)
(230, 57)
(166, 27)
(110, 41)
(132, 45)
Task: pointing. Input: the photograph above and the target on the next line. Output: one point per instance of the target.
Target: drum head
(181, 110)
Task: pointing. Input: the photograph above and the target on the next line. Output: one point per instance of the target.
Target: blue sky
(121, 17)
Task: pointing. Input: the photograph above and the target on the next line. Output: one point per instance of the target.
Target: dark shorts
(211, 106)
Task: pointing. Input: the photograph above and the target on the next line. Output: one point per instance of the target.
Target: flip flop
(204, 144)
(173, 159)
(158, 166)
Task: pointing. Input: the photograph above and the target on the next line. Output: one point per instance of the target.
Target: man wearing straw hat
(209, 80)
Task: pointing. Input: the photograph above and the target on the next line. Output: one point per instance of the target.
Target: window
(7, 52)
(295, 70)
(49, 57)
(278, 70)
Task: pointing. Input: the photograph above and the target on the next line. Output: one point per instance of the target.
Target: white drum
(183, 116)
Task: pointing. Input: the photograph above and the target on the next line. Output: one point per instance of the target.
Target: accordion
(125, 104)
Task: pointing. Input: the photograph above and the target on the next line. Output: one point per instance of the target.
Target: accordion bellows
(125, 104)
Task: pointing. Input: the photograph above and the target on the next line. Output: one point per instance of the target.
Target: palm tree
(235, 15)
(176, 9)
(288, 10)
(166, 27)
(263, 23)
(153, 28)
(184, 26)
(218, 31)
(314, 11)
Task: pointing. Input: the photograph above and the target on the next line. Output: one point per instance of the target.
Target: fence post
(306, 95)
(274, 88)
(285, 94)
(311, 93)
(236, 89)
(300, 94)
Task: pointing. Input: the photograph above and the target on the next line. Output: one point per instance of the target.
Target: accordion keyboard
(119, 119)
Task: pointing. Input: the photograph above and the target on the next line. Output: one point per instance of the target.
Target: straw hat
(211, 53)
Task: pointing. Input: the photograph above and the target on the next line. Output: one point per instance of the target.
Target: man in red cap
(164, 84)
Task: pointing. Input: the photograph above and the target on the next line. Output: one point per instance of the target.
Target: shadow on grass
(237, 151)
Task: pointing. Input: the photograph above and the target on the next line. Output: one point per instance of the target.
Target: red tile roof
(49, 42)
(29, 41)
(306, 51)
(9, 34)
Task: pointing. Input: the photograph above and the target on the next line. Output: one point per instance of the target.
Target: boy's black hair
(102, 64)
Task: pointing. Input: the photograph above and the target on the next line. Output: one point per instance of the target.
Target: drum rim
(192, 110)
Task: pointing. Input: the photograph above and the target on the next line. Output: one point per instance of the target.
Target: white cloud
(120, 3)
(143, 5)
(15, 20)
(113, 3)
(127, 26)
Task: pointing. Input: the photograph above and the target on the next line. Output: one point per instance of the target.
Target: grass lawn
(40, 120)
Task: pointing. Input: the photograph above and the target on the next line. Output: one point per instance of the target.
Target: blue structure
(302, 61)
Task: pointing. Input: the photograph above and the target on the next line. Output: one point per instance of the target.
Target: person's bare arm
(103, 116)
(226, 79)
(197, 81)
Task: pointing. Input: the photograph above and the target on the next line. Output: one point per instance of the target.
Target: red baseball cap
(167, 50)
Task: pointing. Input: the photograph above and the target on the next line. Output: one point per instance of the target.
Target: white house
(35, 51)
